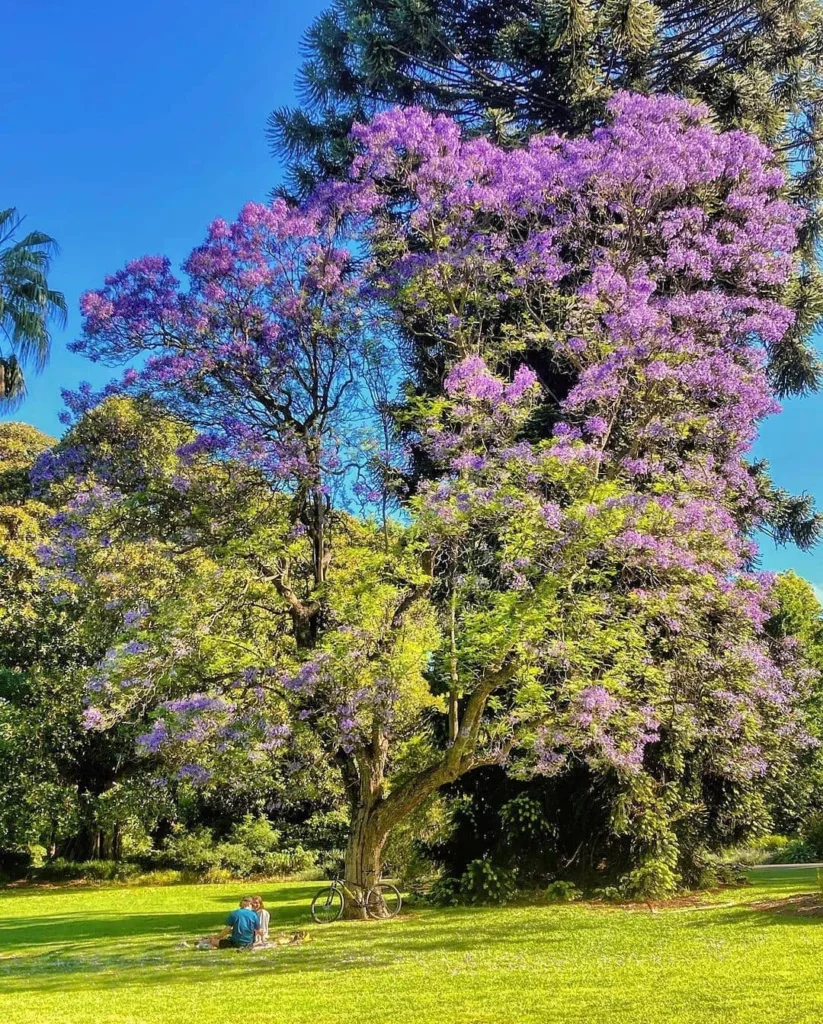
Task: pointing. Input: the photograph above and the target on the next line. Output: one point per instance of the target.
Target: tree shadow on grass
(73, 928)
(796, 908)
(94, 959)
(778, 898)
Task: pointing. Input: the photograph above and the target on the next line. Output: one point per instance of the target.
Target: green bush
(237, 859)
(445, 892)
(730, 874)
(110, 870)
(483, 882)
(257, 835)
(190, 851)
(61, 870)
(562, 892)
(770, 843)
(329, 863)
(609, 893)
(653, 880)
(812, 834)
(286, 862)
(324, 830)
(251, 849)
(798, 852)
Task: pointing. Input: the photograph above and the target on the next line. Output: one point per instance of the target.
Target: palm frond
(28, 306)
(12, 383)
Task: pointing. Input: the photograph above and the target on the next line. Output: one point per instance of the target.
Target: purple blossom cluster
(270, 314)
(644, 264)
(668, 240)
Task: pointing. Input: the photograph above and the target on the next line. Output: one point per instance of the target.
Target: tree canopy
(27, 304)
(572, 577)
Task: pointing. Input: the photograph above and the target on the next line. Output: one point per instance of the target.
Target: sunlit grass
(71, 955)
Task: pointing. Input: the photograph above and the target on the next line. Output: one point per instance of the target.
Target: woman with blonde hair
(263, 918)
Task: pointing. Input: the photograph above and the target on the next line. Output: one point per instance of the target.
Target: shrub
(650, 881)
(110, 870)
(190, 851)
(251, 849)
(330, 862)
(235, 858)
(730, 874)
(609, 893)
(286, 862)
(61, 870)
(562, 892)
(445, 892)
(483, 882)
(324, 830)
(770, 843)
(812, 834)
(798, 852)
(257, 835)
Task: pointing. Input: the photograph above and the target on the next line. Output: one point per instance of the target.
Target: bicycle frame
(354, 891)
(369, 898)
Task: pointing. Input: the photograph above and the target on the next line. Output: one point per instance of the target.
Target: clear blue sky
(126, 128)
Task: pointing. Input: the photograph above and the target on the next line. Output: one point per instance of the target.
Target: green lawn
(71, 955)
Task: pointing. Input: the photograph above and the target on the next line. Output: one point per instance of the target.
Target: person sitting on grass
(241, 928)
(263, 918)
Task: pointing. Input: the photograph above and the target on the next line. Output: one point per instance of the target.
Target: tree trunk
(375, 814)
(363, 855)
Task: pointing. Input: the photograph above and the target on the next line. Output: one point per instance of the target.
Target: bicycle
(381, 900)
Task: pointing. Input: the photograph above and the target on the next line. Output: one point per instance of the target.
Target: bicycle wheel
(327, 905)
(383, 901)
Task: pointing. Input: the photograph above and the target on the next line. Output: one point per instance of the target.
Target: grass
(72, 955)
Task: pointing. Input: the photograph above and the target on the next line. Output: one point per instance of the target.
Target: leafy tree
(171, 543)
(27, 304)
(798, 619)
(73, 792)
(511, 69)
(586, 594)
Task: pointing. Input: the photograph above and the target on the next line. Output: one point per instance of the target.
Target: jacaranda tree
(584, 593)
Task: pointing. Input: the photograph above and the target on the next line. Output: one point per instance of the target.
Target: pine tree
(509, 68)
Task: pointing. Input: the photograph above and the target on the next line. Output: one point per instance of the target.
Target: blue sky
(125, 129)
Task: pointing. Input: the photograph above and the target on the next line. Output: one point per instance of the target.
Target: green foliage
(257, 835)
(798, 852)
(252, 848)
(194, 851)
(608, 893)
(62, 870)
(483, 882)
(27, 304)
(322, 830)
(770, 843)
(88, 794)
(812, 833)
(562, 892)
(524, 819)
(445, 892)
(653, 880)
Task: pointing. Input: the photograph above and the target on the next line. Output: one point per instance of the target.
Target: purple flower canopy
(644, 263)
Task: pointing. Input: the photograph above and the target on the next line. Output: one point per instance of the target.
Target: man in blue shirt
(240, 928)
